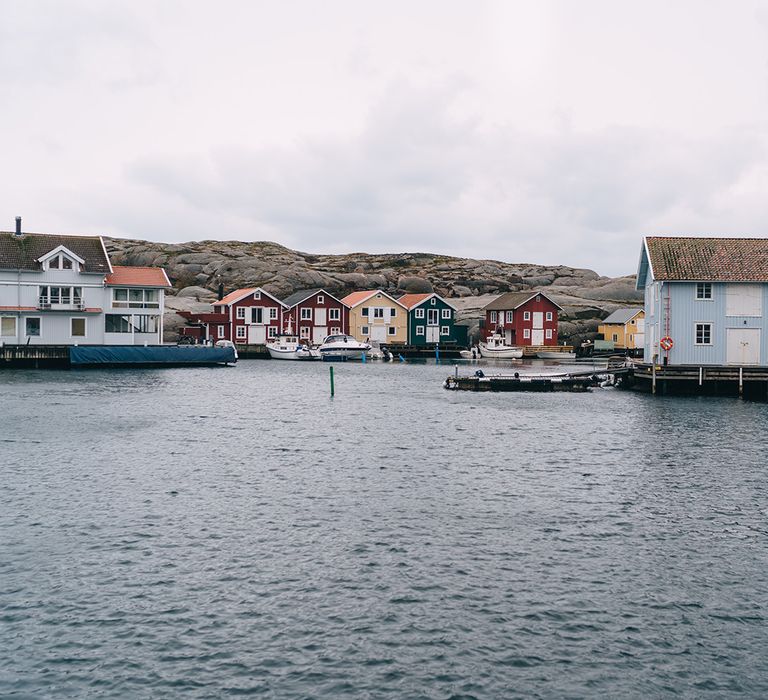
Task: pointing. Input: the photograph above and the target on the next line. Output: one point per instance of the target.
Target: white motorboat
(495, 347)
(343, 347)
(289, 347)
(554, 355)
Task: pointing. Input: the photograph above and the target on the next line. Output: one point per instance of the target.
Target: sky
(550, 132)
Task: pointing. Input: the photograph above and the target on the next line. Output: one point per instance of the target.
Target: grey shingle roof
(622, 316)
(511, 300)
(709, 259)
(22, 252)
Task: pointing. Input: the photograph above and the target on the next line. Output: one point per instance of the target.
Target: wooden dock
(34, 356)
(711, 380)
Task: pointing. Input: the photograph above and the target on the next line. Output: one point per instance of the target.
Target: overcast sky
(546, 132)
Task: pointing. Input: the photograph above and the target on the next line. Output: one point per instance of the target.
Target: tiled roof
(708, 259)
(232, 297)
(23, 252)
(138, 277)
(511, 300)
(358, 297)
(411, 300)
(622, 316)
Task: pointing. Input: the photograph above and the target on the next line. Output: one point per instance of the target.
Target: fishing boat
(289, 347)
(555, 355)
(495, 347)
(342, 347)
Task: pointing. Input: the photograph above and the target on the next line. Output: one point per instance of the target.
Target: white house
(63, 290)
(705, 300)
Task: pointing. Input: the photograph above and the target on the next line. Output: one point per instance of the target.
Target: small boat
(546, 355)
(288, 347)
(343, 347)
(495, 347)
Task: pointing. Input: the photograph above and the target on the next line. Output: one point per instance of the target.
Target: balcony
(60, 304)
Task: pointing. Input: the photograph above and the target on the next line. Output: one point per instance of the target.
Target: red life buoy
(667, 343)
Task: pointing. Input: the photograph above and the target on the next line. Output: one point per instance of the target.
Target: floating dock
(76, 356)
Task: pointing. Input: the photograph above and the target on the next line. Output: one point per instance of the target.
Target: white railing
(56, 304)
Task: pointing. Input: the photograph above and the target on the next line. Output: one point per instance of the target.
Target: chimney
(221, 291)
(18, 225)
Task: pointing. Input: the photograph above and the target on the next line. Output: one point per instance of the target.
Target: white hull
(556, 355)
(276, 354)
(341, 352)
(343, 347)
(501, 353)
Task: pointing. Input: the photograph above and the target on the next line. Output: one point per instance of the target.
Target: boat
(289, 347)
(549, 355)
(495, 347)
(342, 347)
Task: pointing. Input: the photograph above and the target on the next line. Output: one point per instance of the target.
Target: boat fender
(480, 374)
(517, 375)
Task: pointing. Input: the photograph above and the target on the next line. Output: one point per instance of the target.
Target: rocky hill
(196, 269)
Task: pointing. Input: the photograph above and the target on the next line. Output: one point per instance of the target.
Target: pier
(709, 380)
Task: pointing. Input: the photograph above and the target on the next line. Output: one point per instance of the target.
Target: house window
(392, 313)
(334, 314)
(378, 312)
(419, 313)
(7, 326)
(432, 301)
(631, 337)
(115, 323)
(306, 314)
(219, 331)
(549, 315)
(526, 315)
(135, 298)
(538, 297)
(527, 333)
(335, 330)
(60, 295)
(445, 330)
(703, 334)
(32, 327)
(240, 313)
(364, 311)
(145, 324)
(257, 295)
(615, 337)
(77, 327)
(304, 332)
(447, 313)
(493, 317)
(272, 332)
(273, 314)
(320, 299)
(66, 263)
(257, 314)
(509, 316)
(704, 290)
(419, 330)
(364, 330)
(53, 263)
(392, 330)
(240, 333)
(548, 334)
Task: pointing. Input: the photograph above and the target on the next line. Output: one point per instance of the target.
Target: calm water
(209, 533)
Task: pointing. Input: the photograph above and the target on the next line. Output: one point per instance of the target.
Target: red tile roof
(232, 297)
(358, 297)
(137, 277)
(411, 300)
(708, 259)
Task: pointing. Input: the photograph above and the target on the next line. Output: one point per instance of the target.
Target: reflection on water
(236, 531)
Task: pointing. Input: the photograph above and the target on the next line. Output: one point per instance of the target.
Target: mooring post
(332, 387)
(701, 376)
(741, 382)
(437, 353)
(653, 376)
(456, 371)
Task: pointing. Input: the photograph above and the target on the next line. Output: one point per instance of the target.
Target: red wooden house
(314, 314)
(254, 315)
(206, 326)
(522, 318)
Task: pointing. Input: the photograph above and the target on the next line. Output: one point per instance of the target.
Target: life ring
(667, 343)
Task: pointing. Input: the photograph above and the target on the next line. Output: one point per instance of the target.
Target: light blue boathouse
(705, 300)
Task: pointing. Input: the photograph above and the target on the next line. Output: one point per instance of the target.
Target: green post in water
(331, 368)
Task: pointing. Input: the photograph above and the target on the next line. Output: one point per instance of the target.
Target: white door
(319, 334)
(537, 336)
(257, 335)
(743, 346)
(538, 321)
(433, 334)
(379, 333)
(319, 317)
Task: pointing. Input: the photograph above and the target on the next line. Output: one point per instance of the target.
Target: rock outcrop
(196, 269)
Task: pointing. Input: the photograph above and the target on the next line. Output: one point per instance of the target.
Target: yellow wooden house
(625, 328)
(376, 316)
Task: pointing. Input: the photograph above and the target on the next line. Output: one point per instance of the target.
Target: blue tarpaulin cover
(150, 355)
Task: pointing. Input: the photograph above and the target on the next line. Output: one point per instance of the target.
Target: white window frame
(84, 319)
(419, 313)
(303, 331)
(392, 312)
(219, 331)
(271, 331)
(272, 313)
(391, 330)
(240, 313)
(365, 330)
(509, 316)
(493, 317)
(446, 313)
(378, 312)
(240, 333)
(306, 313)
(335, 330)
(334, 314)
(548, 334)
(40, 325)
(445, 330)
(704, 287)
(696, 333)
(320, 299)
(526, 315)
(615, 337)
(527, 333)
(257, 295)
(549, 316)
(15, 327)
(419, 330)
